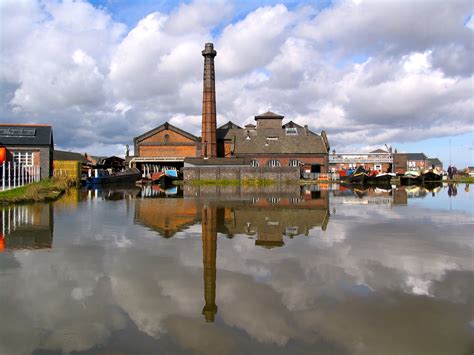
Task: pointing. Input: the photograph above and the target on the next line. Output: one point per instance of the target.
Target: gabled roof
(412, 156)
(434, 161)
(269, 115)
(166, 126)
(275, 141)
(26, 135)
(379, 151)
(225, 128)
(69, 156)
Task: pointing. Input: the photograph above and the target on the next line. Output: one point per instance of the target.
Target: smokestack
(209, 140)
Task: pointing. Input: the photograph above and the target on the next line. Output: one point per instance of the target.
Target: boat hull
(166, 180)
(430, 176)
(359, 178)
(129, 177)
(383, 179)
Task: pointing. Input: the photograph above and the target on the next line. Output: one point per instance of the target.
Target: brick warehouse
(269, 143)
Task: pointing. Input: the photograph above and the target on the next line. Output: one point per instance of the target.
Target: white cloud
(356, 69)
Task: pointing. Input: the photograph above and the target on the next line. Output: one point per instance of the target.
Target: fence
(16, 175)
(321, 176)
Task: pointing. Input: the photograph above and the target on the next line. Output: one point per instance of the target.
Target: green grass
(234, 182)
(44, 190)
(463, 179)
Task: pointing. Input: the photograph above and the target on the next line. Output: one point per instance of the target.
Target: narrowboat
(432, 175)
(166, 177)
(411, 177)
(384, 178)
(130, 175)
(359, 176)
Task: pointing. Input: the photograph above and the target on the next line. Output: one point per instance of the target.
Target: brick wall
(167, 143)
(283, 173)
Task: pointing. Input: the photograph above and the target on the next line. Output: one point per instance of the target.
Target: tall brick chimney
(209, 140)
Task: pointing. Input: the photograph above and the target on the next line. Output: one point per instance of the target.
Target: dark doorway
(315, 168)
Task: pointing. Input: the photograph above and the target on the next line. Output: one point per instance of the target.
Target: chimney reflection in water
(209, 249)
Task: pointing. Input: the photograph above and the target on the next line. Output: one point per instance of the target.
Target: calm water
(286, 270)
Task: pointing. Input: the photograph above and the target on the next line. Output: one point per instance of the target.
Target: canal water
(230, 270)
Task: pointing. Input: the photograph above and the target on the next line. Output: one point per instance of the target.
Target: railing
(359, 159)
(16, 175)
(321, 176)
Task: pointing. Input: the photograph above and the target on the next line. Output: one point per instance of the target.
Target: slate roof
(275, 141)
(222, 131)
(69, 156)
(26, 135)
(379, 151)
(413, 156)
(434, 161)
(269, 115)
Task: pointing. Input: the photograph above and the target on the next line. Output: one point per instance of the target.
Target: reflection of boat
(103, 176)
(411, 178)
(433, 186)
(432, 175)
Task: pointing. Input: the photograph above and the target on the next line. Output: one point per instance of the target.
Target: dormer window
(291, 131)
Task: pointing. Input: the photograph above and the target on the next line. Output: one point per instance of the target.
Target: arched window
(274, 163)
(294, 162)
(167, 138)
(254, 163)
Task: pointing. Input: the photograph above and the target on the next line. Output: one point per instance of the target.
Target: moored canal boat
(432, 175)
(359, 176)
(130, 175)
(411, 177)
(384, 178)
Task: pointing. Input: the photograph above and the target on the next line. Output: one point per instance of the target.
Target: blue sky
(369, 73)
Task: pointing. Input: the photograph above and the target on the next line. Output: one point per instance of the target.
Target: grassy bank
(44, 190)
(236, 182)
(467, 180)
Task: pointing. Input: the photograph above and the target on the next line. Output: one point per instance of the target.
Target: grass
(462, 179)
(44, 190)
(234, 182)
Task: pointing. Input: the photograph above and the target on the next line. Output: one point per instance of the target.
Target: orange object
(2, 243)
(3, 154)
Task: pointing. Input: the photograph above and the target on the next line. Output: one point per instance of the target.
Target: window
(23, 158)
(254, 163)
(274, 163)
(167, 138)
(291, 131)
(294, 162)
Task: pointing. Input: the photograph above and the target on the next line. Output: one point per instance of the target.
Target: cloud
(355, 69)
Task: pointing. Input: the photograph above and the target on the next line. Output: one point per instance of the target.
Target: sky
(369, 73)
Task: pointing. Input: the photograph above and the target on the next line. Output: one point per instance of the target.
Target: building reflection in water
(268, 215)
(209, 253)
(27, 227)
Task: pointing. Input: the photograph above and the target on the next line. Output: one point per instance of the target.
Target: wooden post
(3, 177)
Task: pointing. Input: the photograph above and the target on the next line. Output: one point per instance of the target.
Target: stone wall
(284, 173)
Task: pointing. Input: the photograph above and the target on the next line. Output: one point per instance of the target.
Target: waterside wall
(284, 173)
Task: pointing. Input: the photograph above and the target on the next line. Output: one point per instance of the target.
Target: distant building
(269, 143)
(379, 160)
(434, 162)
(29, 145)
(409, 161)
(272, 143)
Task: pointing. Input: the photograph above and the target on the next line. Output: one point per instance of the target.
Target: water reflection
(27, 227)
(232, 271)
